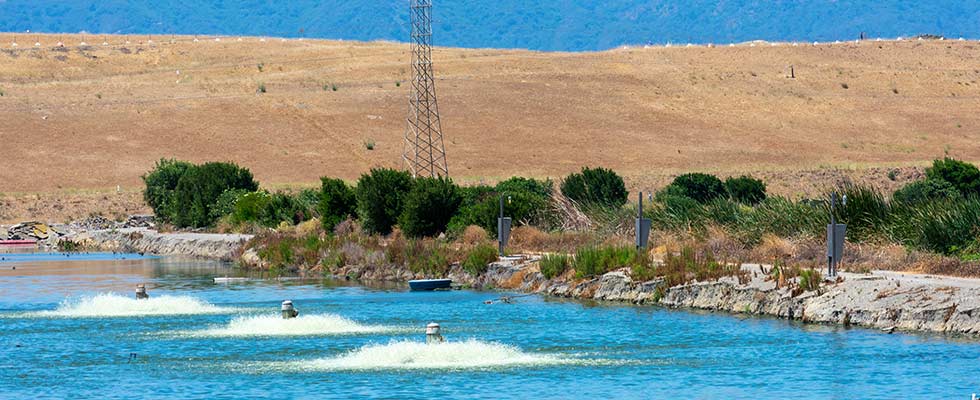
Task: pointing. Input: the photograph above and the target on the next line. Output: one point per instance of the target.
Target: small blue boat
(419, 285)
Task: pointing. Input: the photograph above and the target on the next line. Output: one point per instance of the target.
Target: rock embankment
(48, 236)
(225, 247)
(881, 300)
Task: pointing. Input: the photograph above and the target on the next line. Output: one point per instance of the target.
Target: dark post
(500, 225)
(642, 226)
(832, 257)
(835, 237)
(503, 228)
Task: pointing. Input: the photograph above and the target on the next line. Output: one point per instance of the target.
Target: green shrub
(225, 204)
(919, 192)
(284, 208)
(479, 259)
(526, 185)
(161, 185)
(307, 201)
(337, 202)
(429, 206)
(595, 186)
(700, 187)
(250, 207)
(964, 176)
(199, 188)
(481, 206)
(553, 265)
(746, 190)
(380, 199)
(594, 261)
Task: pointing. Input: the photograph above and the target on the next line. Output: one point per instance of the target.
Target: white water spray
(469, 354)
(114, 305)
(304, 325)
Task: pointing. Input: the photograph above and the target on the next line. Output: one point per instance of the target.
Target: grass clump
(691, 264)
(810, 279)
(426, 257)
(553, 265)
(593, 261)
(477, 261)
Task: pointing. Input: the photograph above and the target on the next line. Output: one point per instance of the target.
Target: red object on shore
(17, 242)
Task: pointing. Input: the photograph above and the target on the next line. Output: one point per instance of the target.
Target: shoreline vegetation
(930, 225)
(577, 234)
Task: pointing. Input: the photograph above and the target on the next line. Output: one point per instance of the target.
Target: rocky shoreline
(883, 300)
(879, 300)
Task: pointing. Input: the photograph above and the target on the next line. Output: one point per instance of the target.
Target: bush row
(933, 214)
(940, 213)
(185, 194)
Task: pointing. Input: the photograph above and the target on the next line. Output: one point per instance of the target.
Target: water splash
(304, 325)
(114, 305)
(469, 354)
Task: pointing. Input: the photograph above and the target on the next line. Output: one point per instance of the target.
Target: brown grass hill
(93, 117)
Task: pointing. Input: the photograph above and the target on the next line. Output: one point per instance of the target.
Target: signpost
(642, 226)
(503, 228)
(835, 238)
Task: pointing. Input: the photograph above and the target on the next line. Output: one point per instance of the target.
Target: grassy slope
(94, 118)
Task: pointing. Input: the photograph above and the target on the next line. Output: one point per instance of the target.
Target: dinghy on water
(421, 285)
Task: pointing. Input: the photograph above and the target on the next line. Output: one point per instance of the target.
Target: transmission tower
(424, 149)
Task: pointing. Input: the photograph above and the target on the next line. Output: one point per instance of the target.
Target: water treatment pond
(71, 329)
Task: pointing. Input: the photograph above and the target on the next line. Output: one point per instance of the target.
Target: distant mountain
(534, 24)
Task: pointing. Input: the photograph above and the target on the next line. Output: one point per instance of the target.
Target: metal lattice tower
(424, 149)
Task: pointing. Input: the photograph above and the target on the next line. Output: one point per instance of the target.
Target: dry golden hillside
(94, 117)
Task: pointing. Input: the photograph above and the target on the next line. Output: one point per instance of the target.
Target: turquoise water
(65, 335)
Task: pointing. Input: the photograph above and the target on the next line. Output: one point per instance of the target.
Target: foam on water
(275, 325)
(114, 305)
(469, 354)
